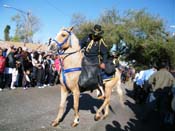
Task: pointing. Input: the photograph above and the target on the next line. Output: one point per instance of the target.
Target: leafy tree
(26, 26)
(81, 26)
(6, 33)
(77, 20)
(110, 19)
(149, 38)
(145, 35)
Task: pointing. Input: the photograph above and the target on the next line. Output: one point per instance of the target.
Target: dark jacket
(94, 48)
(11, 61)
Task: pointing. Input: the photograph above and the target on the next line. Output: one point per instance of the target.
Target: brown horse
(71, 56)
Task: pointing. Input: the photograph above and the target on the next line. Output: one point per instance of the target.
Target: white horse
(71, 58)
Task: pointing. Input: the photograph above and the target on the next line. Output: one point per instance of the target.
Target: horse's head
(64, 39)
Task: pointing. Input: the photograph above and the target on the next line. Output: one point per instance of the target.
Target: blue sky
(54, 14)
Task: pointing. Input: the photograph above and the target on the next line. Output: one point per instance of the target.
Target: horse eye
(63, 35)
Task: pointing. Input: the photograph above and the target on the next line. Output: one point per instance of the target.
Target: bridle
(59, 45)
(60, 50)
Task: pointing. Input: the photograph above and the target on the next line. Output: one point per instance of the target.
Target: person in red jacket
(57, 63)
(2, 68)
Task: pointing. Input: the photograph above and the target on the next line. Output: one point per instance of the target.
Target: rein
(59, 45)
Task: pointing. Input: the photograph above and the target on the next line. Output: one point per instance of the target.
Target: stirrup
(100, 93)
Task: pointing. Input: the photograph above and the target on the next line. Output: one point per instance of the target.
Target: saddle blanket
(106, 77)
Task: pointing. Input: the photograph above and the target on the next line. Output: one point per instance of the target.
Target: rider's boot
(100, 92)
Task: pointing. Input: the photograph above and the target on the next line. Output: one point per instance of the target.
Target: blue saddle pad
(106, 76)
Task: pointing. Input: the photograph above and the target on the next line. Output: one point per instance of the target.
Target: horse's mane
(75, 41)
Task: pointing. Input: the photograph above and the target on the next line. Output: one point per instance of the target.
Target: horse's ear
(71, 28)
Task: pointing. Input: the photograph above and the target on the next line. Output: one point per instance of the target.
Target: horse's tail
(118, 87)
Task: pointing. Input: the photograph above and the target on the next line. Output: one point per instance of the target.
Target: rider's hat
(97, 30)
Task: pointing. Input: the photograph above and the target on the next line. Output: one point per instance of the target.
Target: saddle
(91, 75)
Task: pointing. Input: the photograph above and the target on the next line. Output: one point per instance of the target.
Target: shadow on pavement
(153, 122)
(87, 102)
(137, 124)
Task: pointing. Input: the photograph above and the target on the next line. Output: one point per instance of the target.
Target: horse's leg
(64, 94)
(108, 97)
(108, 90)
(76, 95)
(105, 104)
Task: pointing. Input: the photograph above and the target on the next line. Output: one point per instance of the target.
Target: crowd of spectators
(154, 89)
(20, 67)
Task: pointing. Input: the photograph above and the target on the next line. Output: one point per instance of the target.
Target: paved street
(34, 109)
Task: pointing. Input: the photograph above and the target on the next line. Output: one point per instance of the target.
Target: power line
(59, 10)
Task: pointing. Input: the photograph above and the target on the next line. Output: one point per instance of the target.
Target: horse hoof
(101, 97)
(96, 118)
(74, 124)
(104, 117)
(54, 123)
